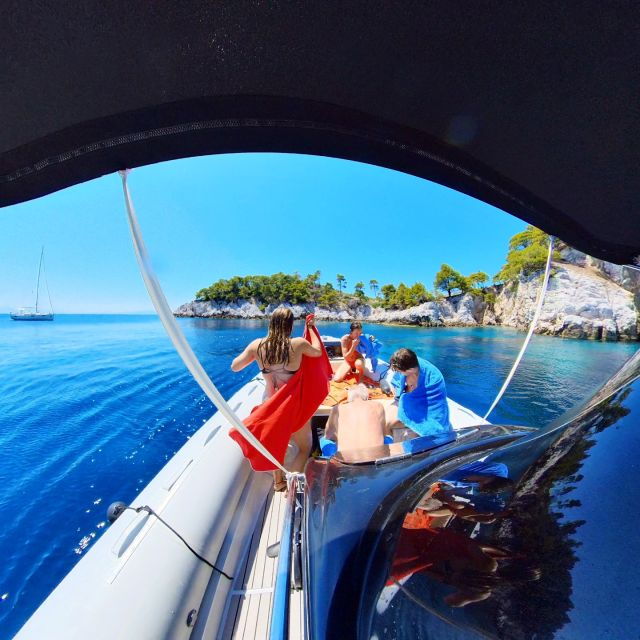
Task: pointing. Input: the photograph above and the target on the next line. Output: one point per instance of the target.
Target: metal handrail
(279, 628)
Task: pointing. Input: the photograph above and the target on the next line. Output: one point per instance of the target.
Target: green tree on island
(419, 294)
(477, 280)
(388, 292)
(314, 286)
(448, 279)
(328, 297)
(527, 255)
(402, 297)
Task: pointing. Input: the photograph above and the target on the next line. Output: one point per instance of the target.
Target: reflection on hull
(530, 539)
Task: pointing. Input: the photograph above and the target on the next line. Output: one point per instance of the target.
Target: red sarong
(287, 410)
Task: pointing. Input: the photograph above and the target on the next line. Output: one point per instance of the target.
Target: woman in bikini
(279, 356)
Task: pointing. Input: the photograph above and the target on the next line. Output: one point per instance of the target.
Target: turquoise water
(91, 407)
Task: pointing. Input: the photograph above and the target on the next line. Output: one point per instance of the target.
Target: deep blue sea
(91, 407)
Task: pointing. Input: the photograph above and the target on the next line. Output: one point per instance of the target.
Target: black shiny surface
(528, 106)
(402, 551)
(348, 508)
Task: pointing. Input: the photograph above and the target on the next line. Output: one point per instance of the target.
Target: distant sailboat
(28, 313)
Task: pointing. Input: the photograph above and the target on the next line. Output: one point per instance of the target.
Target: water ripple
(91, 407)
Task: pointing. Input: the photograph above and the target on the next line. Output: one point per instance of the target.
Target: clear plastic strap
(175, 334)
(536, 315)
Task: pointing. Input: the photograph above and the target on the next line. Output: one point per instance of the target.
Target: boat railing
(279, 629)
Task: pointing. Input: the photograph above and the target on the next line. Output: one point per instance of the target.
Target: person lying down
(357, 424)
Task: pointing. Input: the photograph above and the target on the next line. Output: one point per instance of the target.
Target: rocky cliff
(467, 310)
(586, 298)
(580, 303)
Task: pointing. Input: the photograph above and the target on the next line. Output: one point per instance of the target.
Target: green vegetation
(282, 287)
(279, 287)
(449, 280)
(328, 297)
(403, 297)
(527, 255)
(478, 279)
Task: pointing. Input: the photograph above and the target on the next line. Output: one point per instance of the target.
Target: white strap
(536, 315)
(175, 334)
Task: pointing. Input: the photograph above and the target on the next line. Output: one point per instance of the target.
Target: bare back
(357, 425)
(294, 361)
(277, 374)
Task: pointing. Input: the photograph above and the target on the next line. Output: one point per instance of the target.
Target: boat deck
(249, 611)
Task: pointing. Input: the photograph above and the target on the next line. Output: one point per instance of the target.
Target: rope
(38, 285)
(46, 282)
(150, 511)
(175, 334)
(536, 315)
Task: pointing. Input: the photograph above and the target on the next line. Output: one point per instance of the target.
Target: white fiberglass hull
(32, 316)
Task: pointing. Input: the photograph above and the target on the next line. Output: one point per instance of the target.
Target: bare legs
(279, 481)
(391, 416)
(303, 440)
(345, 369)
(394, 423)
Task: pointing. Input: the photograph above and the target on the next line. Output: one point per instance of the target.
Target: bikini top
(278, 375)
(282, 369)
(277, 378)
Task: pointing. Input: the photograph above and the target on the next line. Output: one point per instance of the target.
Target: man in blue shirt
(421, 396)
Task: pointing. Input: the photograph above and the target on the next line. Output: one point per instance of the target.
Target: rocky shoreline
(586, 298)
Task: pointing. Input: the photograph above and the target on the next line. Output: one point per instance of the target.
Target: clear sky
(218, 216)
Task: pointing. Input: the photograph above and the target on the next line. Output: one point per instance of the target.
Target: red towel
(287, 410)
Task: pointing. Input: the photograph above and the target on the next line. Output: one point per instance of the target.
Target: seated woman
(279, 356)
(353, 359)
(421, 396)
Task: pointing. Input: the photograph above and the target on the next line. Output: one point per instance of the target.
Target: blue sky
(218, 216)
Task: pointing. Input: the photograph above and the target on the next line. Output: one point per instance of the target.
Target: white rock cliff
(578, 304)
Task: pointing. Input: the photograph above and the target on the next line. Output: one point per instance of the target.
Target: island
(586, 297)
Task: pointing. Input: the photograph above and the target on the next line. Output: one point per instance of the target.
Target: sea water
(92, 407)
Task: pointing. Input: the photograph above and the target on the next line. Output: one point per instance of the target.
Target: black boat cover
(532, 107)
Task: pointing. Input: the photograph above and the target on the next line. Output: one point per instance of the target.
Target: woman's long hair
(276, 347)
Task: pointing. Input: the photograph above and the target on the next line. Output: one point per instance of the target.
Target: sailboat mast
(38, 285)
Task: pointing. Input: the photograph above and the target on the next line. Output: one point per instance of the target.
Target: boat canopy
(531, 108)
